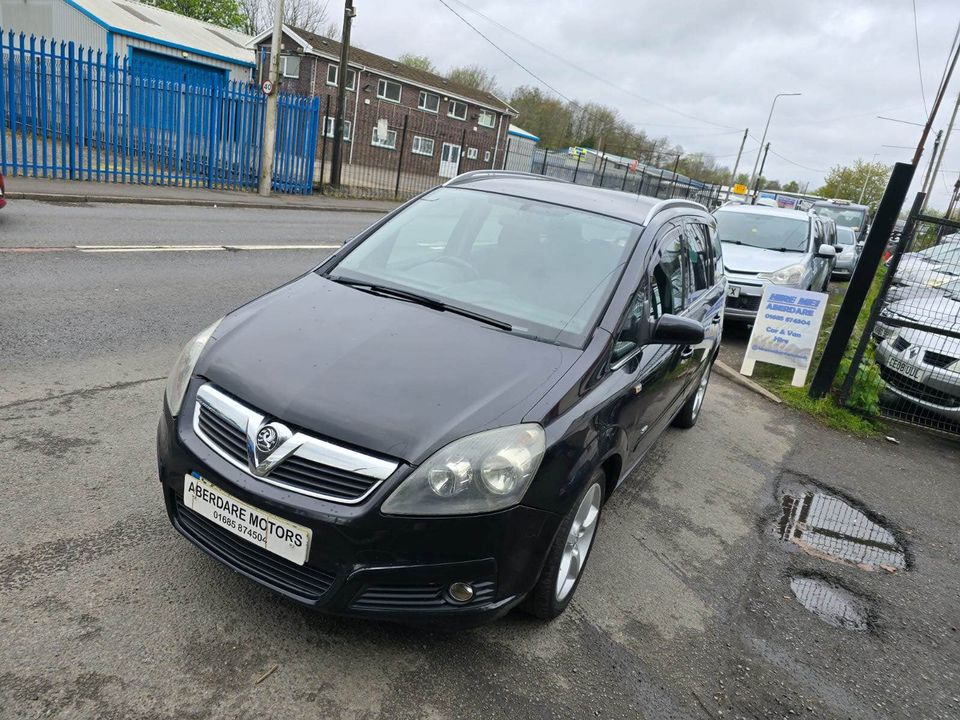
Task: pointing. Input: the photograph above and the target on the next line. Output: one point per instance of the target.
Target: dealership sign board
(785, 332)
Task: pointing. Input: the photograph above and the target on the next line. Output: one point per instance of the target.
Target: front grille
(917, 390)
(305, 583)
(230, 439)
(417, 597)
(744, 302)
(900, 344)
(295, 471)
(938, 360)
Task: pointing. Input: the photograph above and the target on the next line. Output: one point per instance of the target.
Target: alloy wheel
(578, 542)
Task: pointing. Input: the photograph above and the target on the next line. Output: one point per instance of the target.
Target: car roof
(637, 209)
(764, 210)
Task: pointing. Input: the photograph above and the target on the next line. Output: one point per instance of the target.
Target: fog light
(460, 592)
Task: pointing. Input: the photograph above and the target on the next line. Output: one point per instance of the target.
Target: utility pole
(736, 165)
(926, 178)
(766, 127)
(269, 139)
(953, 200)
(756, 186)
(336, 162)
(943, 149)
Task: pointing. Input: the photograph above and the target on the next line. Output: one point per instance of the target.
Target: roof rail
(673, 203)
(480, 174)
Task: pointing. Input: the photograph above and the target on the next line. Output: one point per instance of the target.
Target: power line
(916, 44)
(792, 162)
(589, 73)
(508, 55)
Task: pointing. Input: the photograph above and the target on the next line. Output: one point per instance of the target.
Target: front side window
(388, 140)
(545, 269)
(457, 110)
(429, 101)
(389, 90)
(698, 252)
(668, 272)
(486, 119)
(422, 145)
(769, 231)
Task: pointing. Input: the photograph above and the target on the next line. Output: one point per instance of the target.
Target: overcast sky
(720, 62)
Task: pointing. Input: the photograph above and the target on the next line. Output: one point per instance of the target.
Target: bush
(864, 394)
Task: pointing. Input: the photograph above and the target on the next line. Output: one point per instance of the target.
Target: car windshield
(845, 236)
(843, 216)
(543, 269)
(767, 230)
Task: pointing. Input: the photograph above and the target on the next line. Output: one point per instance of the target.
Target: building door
(449, 160)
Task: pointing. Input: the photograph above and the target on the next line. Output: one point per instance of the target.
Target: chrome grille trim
(246, 421)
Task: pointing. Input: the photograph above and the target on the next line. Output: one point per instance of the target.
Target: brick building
(450, 128)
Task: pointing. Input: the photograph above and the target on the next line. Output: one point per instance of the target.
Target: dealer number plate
(904, 369)
(733, 291)
(274, 534)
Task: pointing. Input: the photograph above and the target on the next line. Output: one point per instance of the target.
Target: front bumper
(746, 303)
(363, 563)
(933, 388)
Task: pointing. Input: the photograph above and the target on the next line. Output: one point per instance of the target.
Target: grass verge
(826, 409)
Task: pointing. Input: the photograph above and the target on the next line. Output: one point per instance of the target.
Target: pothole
(831, 603)
(831, 528)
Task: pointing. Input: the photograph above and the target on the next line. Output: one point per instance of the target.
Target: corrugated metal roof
(168, 28)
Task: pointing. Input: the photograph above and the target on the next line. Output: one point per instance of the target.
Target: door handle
(716, 320)
(686, 352)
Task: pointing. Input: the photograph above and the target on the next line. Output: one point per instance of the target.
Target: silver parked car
(764, 245)
(923, 366)
(929, 268)
(849, 251)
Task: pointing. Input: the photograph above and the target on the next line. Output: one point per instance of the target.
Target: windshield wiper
(433, 304)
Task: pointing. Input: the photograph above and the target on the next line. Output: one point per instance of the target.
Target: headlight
(183, 368)
(479, 473)
(790, 275)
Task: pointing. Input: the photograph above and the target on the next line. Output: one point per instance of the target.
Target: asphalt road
(685, 610)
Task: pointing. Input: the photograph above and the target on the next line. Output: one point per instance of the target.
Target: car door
(653, 373)
(821, 267)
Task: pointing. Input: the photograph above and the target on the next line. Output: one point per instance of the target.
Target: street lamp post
(753, 175)
(867, 179)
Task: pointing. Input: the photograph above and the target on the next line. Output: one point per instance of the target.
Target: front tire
(569, 553)
(687, 417)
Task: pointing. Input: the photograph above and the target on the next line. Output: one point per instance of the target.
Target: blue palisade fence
(72, 113)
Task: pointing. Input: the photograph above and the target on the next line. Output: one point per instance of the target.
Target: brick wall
(364, 109)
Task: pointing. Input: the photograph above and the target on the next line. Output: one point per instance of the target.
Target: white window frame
(487, 113)
(472, 153)
(382, 83)
(351, 76)
(418, 141)
(422, 105)
(283, 67)
(453, 104)
(328, 125)
(388, 146)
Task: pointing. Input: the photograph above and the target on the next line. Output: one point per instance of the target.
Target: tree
(772, 185)
(225, 13)
(544, 116)
(742, 179)
(420, 62)
(310, 15)
(847, 182)
(474, 76)
(792, 187)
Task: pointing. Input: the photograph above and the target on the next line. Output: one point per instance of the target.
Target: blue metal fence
(76, 114)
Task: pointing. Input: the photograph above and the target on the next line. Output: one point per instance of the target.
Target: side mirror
(826, 251)
(676, 330)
